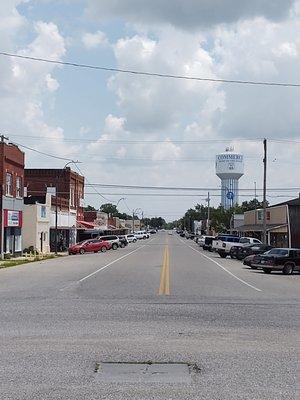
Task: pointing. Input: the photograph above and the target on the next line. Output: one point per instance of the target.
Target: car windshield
(82, 242)
(244, 240)
(281, 252)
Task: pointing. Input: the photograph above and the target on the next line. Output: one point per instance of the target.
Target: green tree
(89, 208)
(109, 208)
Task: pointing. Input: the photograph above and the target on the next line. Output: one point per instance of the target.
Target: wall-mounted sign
(12, 218)
(51, 190)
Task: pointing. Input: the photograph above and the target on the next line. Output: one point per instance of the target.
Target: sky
(176, 127)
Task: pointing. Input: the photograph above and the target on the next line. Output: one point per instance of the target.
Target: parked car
(223, 243)
(89, 246)
(252, 259)
(153, 231)
(249, 260)
(123, 241)
(201, 240)
(141, 235)
(131, 238)
(240, 252)
(112, 239)
(286, 260)
(208, 242)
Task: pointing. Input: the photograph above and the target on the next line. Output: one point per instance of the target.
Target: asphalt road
(158, 301)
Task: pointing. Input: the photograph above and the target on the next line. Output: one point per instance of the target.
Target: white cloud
(151, 104)
(51, 83)
(188, 14)
(93, 40)
(27, 86)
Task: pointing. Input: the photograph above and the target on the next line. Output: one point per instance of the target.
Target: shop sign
(12, 218)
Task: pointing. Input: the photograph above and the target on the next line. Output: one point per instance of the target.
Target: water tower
(229, 168)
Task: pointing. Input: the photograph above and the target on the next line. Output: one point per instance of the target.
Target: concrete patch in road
(145, 372)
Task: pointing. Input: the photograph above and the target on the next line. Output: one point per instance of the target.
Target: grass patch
(14, 263)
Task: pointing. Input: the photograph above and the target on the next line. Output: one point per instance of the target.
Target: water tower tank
(229, 168)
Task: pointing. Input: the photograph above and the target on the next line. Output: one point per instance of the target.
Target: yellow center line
(164, 286)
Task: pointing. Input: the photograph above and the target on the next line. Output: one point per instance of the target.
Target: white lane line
(221, 266)
(113, 262)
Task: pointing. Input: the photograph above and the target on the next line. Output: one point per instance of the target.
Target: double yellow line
(164, 286)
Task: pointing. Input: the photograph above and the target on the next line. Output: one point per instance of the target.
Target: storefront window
(18, 243)
(19, 187)
(43, 211)
(8, 186)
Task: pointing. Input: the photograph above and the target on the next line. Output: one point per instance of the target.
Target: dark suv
(241, 252)
(285, 260)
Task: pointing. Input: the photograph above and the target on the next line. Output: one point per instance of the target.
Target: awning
(259, 227)
(84, 224)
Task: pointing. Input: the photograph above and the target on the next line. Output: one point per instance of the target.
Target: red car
(90, 246)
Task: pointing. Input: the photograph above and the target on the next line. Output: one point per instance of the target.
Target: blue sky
(205, 38)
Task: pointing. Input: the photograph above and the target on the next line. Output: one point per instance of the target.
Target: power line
(153, 74)
(166, 140)
(92, 186)
(183, 188)
(186, 195)
(41, 152)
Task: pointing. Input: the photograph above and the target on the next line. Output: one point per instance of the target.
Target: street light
(135, 212)
(56, 200)
(122, 198)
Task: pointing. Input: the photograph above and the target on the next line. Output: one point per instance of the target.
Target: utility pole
(265, 194)
(3, 138)
(58, 176)
(255, 198)
(208, 213)
(133, 222)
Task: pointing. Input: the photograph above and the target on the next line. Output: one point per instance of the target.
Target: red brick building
(11, 182)
(69, 199)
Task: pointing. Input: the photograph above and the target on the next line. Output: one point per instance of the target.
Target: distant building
(229, 168)
(129, 225)
(37, 223)
(11, 184)
(283, 224)
(67, 200)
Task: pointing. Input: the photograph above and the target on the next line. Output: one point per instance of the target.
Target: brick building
(283, 224)
(11, 182)
(68, 200)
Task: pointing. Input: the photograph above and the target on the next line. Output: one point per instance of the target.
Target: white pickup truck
(224, 243)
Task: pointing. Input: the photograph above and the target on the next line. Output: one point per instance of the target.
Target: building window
(19, 187)
(43, 211)
(72, 196)
(260, 215)
(268, 215)
(8, 186)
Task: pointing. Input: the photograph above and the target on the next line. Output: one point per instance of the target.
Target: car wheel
(232, 256)
(114, 246)
(96, 251)
(252, 267)
(267, 270)
(223, 255)
(288, 269)
(81, 251)
(122, 245)
(134, 240)
(103, 249)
